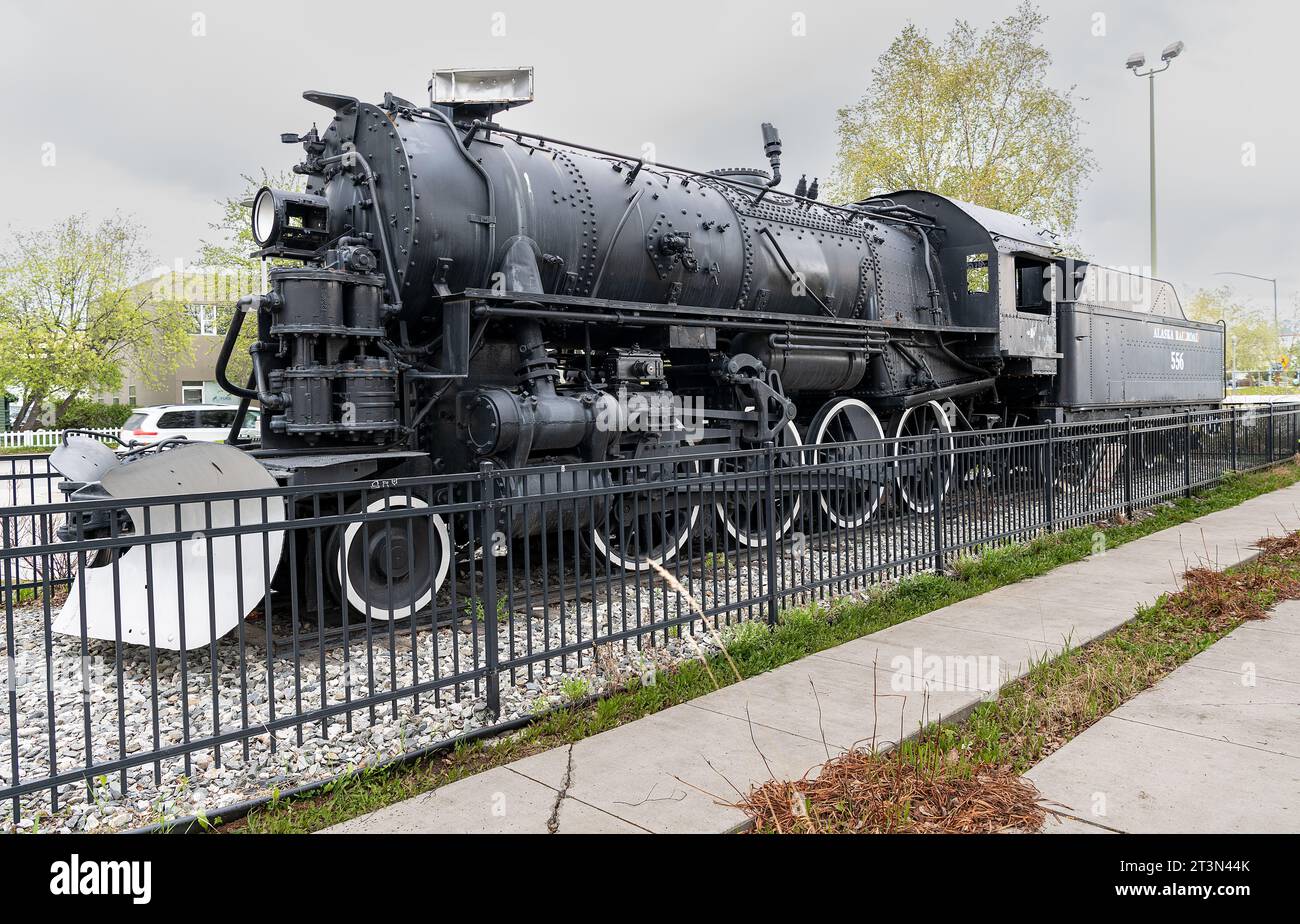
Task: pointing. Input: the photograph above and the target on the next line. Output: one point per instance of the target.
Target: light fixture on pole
(1135, 63)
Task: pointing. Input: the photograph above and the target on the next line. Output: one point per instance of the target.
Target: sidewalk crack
(553, 823)
(1085, 821)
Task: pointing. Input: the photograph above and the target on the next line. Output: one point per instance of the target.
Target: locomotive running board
(139, 596)
(656, 313)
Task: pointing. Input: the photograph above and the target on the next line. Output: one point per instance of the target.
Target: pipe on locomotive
(477, 167)
(772, 148)
(348, 159)
(228, 347)
(260, 390)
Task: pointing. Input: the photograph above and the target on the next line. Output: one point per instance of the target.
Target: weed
(575, 688)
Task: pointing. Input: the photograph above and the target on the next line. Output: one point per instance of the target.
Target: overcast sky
(147, 117)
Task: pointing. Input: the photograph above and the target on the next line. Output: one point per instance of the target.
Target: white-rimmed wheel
(638, 528)
(390, 568)
(850, 473)
(918, 470)
(742, 499)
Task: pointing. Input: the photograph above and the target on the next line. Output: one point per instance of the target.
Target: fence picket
(42, 439)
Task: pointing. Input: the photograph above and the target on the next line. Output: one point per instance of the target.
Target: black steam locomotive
(458, 292)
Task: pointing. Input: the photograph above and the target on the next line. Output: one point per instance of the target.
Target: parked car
(208, 422)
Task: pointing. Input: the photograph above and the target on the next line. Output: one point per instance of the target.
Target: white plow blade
(82, 458)
(220, 580)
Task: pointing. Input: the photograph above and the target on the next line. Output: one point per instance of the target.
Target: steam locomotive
(451, 292)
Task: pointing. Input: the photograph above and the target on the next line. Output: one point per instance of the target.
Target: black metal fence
(390, 616)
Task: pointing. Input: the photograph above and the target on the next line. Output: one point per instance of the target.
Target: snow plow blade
(178, 593)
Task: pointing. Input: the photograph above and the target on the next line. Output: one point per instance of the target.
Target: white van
(207, 422)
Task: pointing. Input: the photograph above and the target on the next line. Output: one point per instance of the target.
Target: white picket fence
(40, 439)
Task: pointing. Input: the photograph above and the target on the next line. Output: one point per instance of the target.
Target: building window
(207, 320)
(130, 395)
(191, 393)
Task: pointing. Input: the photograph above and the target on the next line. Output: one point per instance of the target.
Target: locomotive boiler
(451, 293)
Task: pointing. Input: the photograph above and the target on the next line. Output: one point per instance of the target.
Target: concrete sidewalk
(1214, 747)
(673, 771)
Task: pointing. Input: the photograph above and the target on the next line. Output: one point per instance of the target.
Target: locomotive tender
(450, 292)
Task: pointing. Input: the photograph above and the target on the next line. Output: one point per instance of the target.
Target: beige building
(208, 298)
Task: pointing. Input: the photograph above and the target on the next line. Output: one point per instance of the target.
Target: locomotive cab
(1001, 273)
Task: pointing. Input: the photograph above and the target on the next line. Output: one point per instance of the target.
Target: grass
(575, 689)
(967, 777)
(1265, 390)
(800, 632)
(717, 561)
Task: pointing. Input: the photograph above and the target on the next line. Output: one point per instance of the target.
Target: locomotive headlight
(265, 220)
(297, 222)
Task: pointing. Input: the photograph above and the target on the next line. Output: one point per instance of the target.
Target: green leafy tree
(972, 117)
(74, 314)
(229, 252)
(1257, 338)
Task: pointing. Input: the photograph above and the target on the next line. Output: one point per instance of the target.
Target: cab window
(1033, 286)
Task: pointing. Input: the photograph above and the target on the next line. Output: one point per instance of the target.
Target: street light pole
(1273, 279)
(1135, 63)
(1151, 146)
